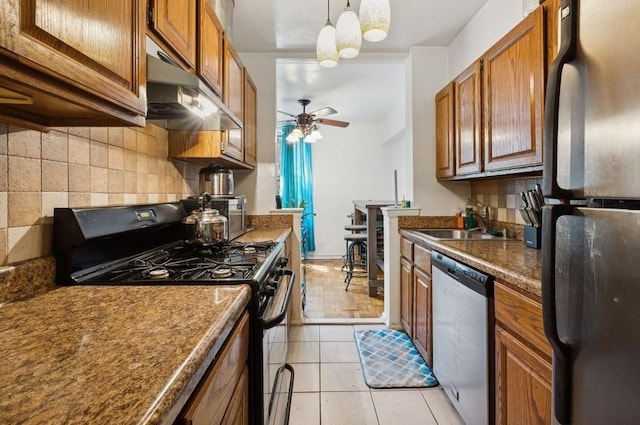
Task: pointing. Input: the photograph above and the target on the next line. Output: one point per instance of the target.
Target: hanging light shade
(375, 17)
(309, 139)
(295, 135)
(326, 46)
(315, 133)
(348, 35)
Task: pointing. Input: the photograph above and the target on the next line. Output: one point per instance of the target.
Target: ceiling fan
(306, 127)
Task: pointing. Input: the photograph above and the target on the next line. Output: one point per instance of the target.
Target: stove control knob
(270, 290)
(282, 262)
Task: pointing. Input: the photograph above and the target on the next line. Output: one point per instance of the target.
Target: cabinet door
(406, 296)
(250, 121)
(468, 120)
(210, 47)
(513, 93)
(551, 10)
(422, 304)
(175, 22)
(233, 84)
(445, 132)
(233, 145)
(523, 383)
(238, 410)
(96, 47)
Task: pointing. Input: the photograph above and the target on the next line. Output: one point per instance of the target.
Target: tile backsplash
(503, 196)
(79, 167)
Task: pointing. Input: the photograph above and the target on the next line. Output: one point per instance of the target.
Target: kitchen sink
(456, 234)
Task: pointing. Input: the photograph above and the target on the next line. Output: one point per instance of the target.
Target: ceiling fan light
(315, 133)
(326, 47)
(348, 34)
(291, 138)
(375, 18)
(309, 139)
(297, 133)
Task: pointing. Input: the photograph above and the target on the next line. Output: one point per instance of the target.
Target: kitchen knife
(533, 200)
(525, 216)
(539, 193)
(524, 199)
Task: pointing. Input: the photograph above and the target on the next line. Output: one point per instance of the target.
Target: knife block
(533, 237)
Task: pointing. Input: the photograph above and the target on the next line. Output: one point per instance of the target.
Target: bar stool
(354, 241)
(353, 228)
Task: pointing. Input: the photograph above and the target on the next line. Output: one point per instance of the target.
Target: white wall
(348, 164)
(491, 22)
(427, 74)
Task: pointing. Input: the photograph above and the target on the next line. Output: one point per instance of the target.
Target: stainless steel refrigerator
(591, 230)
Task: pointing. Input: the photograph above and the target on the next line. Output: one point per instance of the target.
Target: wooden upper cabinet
(513, 90)
(174, 21)
(210, 47)
(250, 121)
(468, 120)
(233, 81)
(233, 144)
(78, 61)
(445, 132)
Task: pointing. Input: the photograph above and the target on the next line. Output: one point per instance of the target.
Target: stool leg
(350, 259)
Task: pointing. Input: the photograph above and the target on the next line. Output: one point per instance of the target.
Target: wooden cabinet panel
(521, 314)
(210, 47)
(406, 296)
(551, 10)
(175, 22)
(468, 120)
(88, 58)
(445, 132)
(233, 145)
(523, 383)
(250, 128)
(423, 335)
(233, 82)
(211, 399)
(422, 258)
(406, 249)
(513, 90)
(238, 410)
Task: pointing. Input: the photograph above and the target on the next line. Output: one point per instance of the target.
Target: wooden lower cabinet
(523, 383)
(406, 295)
(415, 296)
(222, 395)
(423, 335)
(523, 360)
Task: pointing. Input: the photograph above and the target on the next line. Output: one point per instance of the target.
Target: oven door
(278, 375)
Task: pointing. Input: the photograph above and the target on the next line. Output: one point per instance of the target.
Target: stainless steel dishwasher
(463, 337)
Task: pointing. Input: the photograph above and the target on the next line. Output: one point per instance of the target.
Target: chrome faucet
(483, 225)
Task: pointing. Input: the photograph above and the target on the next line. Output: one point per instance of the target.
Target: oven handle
(271, 322)
(274, 391)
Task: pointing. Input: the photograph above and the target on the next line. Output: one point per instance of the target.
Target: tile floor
(329, 388)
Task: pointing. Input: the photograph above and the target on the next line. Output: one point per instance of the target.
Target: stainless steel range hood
(178, 100)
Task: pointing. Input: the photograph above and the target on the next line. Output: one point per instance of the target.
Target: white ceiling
(361, 89)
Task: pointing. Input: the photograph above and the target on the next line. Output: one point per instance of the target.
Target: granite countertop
(260, 234)
(507, 260)
(111, 354)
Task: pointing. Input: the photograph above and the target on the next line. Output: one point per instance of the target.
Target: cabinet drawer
(422, 258)
(521, 315)
(209, 402)
(406, 249)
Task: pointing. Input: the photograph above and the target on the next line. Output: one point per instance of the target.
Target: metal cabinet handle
(566, 53)
(561, 351)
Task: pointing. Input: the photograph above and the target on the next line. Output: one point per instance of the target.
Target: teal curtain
(296, 183)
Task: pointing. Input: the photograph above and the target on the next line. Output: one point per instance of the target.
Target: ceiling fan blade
(323, 112)
(286, 113)
(336, 123)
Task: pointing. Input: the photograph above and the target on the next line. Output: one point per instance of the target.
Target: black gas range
(145, 245)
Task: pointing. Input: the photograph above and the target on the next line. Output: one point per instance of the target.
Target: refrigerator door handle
(561, 351)
(566, 53)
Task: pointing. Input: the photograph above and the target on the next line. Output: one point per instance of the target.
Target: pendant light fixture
(348, 34)
(326, 46)
(375, 17)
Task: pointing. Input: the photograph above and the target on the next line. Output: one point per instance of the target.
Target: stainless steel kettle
(211, 227)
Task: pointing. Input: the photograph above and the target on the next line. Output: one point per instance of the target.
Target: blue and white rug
(390, 360)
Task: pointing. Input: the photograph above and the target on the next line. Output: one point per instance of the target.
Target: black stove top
(232, 261)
